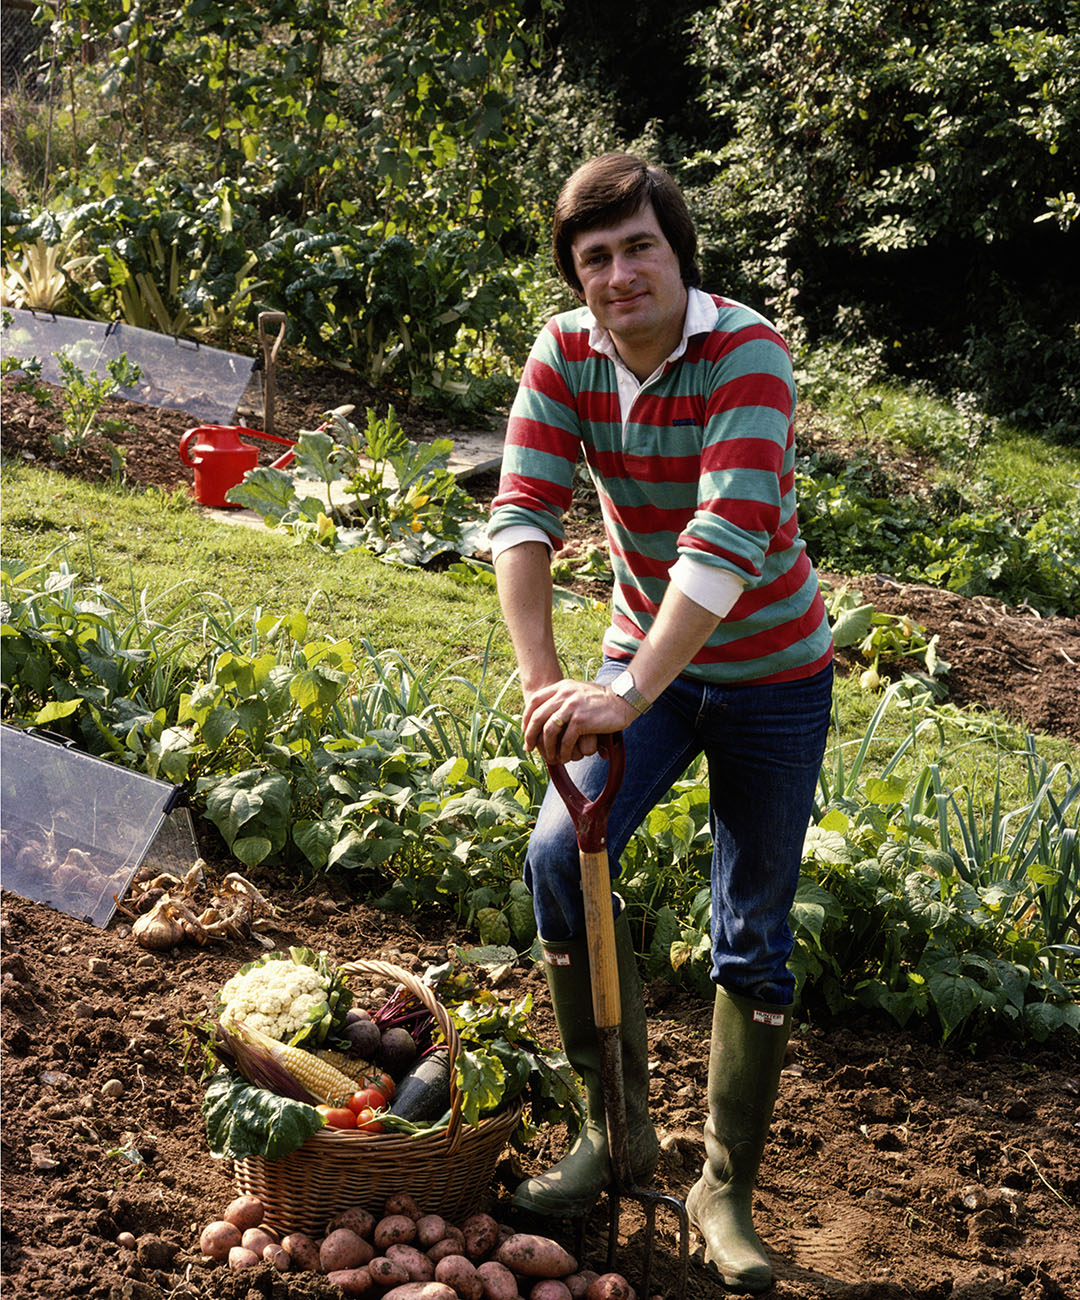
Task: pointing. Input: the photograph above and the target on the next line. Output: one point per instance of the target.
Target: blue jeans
(764, 746)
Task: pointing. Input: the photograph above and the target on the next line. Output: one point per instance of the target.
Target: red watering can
(221, 460)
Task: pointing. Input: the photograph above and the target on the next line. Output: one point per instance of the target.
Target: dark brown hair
(611, 188)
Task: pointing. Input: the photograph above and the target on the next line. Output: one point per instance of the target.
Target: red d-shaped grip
(590, 816)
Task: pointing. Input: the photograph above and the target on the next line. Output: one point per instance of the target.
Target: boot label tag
(774, 1018)
(557, 958)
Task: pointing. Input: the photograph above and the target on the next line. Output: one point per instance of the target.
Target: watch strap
(624, 688)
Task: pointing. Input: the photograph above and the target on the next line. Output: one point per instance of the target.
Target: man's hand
(565, 720)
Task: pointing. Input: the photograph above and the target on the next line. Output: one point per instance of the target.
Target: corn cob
(353, 1066)
(288, 1071)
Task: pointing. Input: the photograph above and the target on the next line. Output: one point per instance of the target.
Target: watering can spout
(220, 458)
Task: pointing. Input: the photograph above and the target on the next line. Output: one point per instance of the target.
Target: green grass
(994, 461)
(977, 745)
(132, 540)
(1031, 472)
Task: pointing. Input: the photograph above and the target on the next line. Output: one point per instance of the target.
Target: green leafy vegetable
(243, 1121)
(499, 1057)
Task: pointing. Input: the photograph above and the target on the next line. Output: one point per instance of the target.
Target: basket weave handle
(427, 996)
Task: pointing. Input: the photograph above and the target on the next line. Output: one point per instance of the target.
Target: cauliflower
(278, 998)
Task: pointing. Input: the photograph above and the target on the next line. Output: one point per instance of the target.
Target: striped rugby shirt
(700, 470)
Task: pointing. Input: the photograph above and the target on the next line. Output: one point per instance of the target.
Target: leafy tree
(914, 159)
(432, 92)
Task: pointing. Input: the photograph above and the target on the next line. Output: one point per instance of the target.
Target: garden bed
(896, 1169)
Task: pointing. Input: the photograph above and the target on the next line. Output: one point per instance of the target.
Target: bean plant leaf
(1042, 1018)
(955, 997)
(520, 913)
(55, 710)
(218, 724)
(493, 926)
(812, 908)
(251, 795)
(317, 688)
(252, 849)
(315, 838)
(885, 791)
(827, 846)
(499, 778)
(665, 934)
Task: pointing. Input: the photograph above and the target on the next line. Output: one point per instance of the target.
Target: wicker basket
(448, 1173)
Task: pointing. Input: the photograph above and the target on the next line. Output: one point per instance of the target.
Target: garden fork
(590, 825)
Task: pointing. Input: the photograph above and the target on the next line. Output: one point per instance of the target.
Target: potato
(422, 1291)
(497, 1281)
(550, 1288)
(218, 1238)
(342, 1250)
(580, 1282)
(240, 1257)
(356, 1220)
(430, 1228)
(352, 1281)
(448, 1246)
(505, 1233)
(276, 1254)
(245, 1212)
(388, 1272)
(481, 1235)
(257, 1239)
(415, 1262)
(394, 1229)
(402, 1203)
(303, 1252)
(611, 1286)
(460, 1273)
(535, 1256)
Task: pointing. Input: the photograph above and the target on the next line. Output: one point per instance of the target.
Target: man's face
(631, 281)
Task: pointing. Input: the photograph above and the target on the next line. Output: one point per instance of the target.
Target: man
(682, 403)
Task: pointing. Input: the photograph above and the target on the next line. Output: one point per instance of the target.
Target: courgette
(424, 1093)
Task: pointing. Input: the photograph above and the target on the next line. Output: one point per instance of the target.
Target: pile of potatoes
(410, 1255)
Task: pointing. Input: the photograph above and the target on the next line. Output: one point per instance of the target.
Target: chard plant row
(960, 907)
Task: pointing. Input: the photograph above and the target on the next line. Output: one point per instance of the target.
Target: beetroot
(397, 1051)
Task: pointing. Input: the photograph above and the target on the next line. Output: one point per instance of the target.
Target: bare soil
(896, 1169)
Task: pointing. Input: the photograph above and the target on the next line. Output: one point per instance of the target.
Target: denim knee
(553, 873)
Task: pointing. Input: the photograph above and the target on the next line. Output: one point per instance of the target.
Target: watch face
(623, 686)
(623, 683)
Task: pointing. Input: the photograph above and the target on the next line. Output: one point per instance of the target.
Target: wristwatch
(624, 688)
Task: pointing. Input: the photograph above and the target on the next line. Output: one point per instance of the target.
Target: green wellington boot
(570, 1188)
(745, 1058)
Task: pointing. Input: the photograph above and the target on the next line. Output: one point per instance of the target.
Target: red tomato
(367, 1098)
(382, 1081)
(337, 1116)
(367, 1122)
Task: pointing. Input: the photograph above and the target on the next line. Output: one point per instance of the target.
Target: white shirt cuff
(712, 588)
(505, 538)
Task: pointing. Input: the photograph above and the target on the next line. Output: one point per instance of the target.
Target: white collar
(699, 319)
